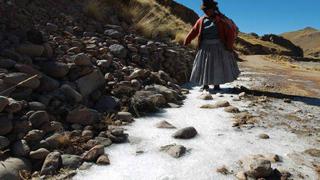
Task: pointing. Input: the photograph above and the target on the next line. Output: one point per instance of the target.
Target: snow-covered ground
(217, 144)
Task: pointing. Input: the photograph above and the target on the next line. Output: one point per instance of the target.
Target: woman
(215, 62)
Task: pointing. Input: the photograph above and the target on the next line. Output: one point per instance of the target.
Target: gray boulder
(82, 60)
(5, 125)
(36, 106)
(174, 150)
(34, 135)
(185, 133)
(4, 102)
(10, 168)
(165, 125)
(113, 33)
(258, 168)
(32, 50)
(118, 50)
(20, 148)
(55, 69)
(15, 78)
(107, 104)
(71, 161)
(39, 118)
(39, 154)
(14, 106)
(103, 160)
(48, 84)
(52, 164)
(83, 116)
(103, 141)
(124, 116)
(141, 102)
(94, 153)
(91, 82)
(71, 94)
(55, 140)
(169, 94)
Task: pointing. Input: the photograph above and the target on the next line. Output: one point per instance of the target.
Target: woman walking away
(215, 62)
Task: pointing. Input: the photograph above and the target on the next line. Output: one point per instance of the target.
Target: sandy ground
(283, 103)
(285, 77)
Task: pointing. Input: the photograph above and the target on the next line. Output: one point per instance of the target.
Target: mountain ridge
(307, 38)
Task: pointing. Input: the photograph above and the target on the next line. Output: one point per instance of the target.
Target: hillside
(307, 38)
(250, 44)
(169, 20)
(75, 73)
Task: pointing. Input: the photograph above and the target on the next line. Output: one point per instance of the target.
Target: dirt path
(284, 77)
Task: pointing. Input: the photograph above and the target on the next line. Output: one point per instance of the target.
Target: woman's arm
(193, 33)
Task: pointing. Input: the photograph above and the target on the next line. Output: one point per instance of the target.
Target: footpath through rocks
(232, 134)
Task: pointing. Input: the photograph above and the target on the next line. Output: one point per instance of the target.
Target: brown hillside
(168, 20)
(308, 39)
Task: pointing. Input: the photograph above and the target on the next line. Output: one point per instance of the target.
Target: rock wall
(81, 80)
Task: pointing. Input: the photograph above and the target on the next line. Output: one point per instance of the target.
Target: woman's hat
(208, 4)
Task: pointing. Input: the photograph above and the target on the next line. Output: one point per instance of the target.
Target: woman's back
(210, 30)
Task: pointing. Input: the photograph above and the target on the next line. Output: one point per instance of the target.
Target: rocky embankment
(69, 82)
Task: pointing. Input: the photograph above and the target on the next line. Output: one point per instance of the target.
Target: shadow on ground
(313, 101)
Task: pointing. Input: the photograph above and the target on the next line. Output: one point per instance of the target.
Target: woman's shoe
(205, 88)
(217, 88)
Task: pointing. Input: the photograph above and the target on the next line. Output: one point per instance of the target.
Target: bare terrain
(269, 122)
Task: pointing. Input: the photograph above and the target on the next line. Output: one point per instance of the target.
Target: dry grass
(153, 20)
(99, 9)
(253, 40)
(146, 16)
(93, 9)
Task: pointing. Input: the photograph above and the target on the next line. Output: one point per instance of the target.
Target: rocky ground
(70, 86)
(68, 82)
(244, 131)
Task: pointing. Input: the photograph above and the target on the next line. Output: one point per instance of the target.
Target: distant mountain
(308, 39)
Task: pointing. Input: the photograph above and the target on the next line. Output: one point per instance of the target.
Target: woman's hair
(215, 8)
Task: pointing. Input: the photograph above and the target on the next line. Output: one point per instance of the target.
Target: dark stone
(94, 153)
(10, 168)
(4, 142)
(54, 69)
(35, 36)
(83, 116)
(71, 161)
(118, 50)
(107, 104)
(20, 148)
(185, 133)
(5, 125)
(52, 164)
(39, 118)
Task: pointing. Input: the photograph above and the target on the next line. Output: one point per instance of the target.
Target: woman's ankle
(205, 87)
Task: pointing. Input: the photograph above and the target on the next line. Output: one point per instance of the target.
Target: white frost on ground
(217, 144)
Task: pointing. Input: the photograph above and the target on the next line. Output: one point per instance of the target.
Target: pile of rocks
(84, 80)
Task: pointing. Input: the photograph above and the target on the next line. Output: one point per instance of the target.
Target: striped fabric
(214, 65)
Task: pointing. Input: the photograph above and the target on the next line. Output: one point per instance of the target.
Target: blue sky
(267, 16)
